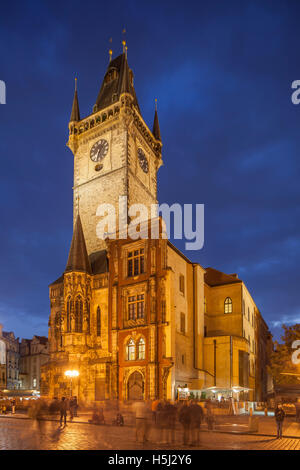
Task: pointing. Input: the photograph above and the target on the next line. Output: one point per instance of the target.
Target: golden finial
(124, 42)
(75, 84)
(155, 104)
(110, 54)
(126, 50)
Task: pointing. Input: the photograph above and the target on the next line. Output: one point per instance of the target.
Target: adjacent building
(33, 354)
(12, 360)
(2, 360)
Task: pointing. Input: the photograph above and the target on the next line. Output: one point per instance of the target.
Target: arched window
(130, 350)
(69, 310)
(228, 305)
(204, 304)
(78, 315)
(98, 322)
(141, 349)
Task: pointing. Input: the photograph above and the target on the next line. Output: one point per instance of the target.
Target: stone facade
(129, 315)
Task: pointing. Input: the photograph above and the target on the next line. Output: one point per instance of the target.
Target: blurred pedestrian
(13, 407)
(279, 417)
(63, 410)
(119, 421)
(196, 414)
(170, 416)
(185, 420)
(141, 421)
(210, 418)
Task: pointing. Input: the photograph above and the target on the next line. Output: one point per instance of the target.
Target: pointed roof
(75, 114)
(78, 257)
(156, 130)
(114, 84)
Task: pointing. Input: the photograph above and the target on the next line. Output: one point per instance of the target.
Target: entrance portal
(135, 386)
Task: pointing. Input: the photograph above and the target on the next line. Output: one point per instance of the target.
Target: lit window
(228, 305)
(69, 309)
(141, 349)
(34, 383)
(130, 353)
(136, 306)
(181, 283)
(136, 262)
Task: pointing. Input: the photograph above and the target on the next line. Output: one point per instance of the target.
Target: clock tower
(115, 153)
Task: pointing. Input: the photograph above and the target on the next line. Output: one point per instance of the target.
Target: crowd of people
(157, 421)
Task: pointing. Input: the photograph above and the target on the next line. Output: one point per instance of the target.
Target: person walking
(196, 414)
(185, 420)
(279, 417)
(63, 411)
(171, 413)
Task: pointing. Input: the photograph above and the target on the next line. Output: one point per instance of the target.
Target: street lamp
(71, 374)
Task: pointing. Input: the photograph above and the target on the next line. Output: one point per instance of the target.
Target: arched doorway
(135, 386)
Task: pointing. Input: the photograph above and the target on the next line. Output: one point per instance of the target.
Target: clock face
(143, 161)
(99, 150)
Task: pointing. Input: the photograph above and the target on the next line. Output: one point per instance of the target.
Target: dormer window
(111, 75)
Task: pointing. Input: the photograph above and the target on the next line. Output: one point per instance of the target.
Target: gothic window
(78, 315)
(204, 304)
(130, 350)
(69, 309)
(98, 322)
(141, 349)
(228, 305)
(135, 263)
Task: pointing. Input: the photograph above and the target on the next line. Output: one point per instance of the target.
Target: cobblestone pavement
(18, 434)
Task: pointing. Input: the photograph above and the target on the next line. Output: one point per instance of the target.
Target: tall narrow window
(228, 305)
(204, 304)
(98, 322)
(135, 262)
(141, 349)
(78, 315)
(182, 323)
(88, 316)
(130, 350)
(69, 311)
(140, 306)
(181, 283)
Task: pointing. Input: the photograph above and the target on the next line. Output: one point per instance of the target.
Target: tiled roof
(213, 277)
(78, 258)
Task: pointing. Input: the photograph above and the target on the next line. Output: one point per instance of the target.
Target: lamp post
(71, 373)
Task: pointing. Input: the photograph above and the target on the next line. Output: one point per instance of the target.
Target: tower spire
(75, 114)
(156, 130)
(78, 259)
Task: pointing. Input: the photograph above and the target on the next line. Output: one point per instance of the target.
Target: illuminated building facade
(127, 314)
